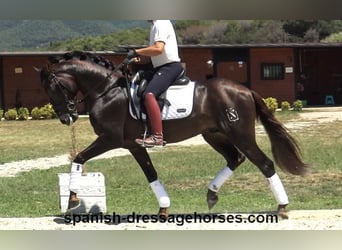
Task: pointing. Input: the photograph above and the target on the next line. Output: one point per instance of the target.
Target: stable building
(308, 71)
(20, 84)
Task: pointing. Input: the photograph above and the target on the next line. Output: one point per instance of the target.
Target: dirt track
(299, 220)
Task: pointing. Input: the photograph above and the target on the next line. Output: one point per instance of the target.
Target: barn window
(272, 71)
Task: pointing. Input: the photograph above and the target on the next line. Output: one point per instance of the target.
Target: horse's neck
(98, 86)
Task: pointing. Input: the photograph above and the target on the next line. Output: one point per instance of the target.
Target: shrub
(297, 105)
(47, 112)
(23, 113)
(285, 106)
(271, 103)
(35, 113)
(1, 114)
(11, 114)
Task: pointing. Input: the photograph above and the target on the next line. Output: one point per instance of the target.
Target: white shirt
(162, 31)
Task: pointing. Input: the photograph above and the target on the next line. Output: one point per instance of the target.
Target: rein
(109, 76)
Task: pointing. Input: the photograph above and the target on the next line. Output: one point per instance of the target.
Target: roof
(191, 46)
(266, 45)
(49, 53)
(253, 45)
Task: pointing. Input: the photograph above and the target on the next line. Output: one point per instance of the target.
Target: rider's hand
(131, 54)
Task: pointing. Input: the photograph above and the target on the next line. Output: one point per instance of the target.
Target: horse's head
(61, 89)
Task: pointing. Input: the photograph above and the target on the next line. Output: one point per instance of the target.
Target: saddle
(171, 97)
(180, 80)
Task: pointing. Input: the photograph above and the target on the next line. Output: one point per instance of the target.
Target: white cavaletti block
(92, 192)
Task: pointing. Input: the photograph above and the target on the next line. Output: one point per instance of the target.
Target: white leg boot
(278, 190)
(219, 179)
(75, 176)
(161, 194)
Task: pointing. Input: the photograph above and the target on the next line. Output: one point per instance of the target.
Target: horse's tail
(285, 149)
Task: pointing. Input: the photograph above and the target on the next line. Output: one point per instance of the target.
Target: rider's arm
(152, 50)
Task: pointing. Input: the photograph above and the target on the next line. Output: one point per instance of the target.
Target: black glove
(131, 54)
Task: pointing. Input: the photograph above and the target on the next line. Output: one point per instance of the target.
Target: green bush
(297, 105)
(35, 113)
(285, 106)
(23, 114)
(271, 103)
(11, 114)
(47, 112)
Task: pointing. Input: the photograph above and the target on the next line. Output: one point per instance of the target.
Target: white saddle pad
(180, 98)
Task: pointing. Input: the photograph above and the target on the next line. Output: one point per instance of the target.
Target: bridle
(69, 103)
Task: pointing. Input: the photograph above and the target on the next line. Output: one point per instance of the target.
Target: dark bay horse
(224, 113)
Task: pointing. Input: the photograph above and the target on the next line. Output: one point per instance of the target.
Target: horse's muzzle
(68, 119)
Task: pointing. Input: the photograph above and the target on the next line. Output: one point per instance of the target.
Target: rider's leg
(161, 80)
(153, 113)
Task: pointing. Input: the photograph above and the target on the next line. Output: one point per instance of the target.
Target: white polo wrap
(161, 194)
(219, 179)
(278, 190)
(75, 176)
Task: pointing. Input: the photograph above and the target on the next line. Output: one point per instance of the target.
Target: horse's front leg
(99, 146)
(141, 156)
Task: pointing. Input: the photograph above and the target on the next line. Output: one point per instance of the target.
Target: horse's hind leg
(247, 145)
(234, 158)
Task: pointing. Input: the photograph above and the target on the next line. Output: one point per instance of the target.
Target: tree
(192, 34)
(271, 32)
(215, 33)
(334, 38)
(138, 36)
(298, 29)
(311, 35)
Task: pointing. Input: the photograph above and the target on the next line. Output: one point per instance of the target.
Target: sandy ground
(299, 220)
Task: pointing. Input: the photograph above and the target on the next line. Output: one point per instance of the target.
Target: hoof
(76, 207)
(74, 204)
(212, 198)
(282, 213)
(162, 214)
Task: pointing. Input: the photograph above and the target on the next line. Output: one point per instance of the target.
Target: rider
(163, 50)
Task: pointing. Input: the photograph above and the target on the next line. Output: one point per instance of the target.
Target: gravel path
(299, 220)
(307, 119)
(11, 169)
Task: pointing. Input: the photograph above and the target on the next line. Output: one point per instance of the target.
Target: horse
(224, 113)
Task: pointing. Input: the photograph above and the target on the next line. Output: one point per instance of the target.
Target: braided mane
(84, 56)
